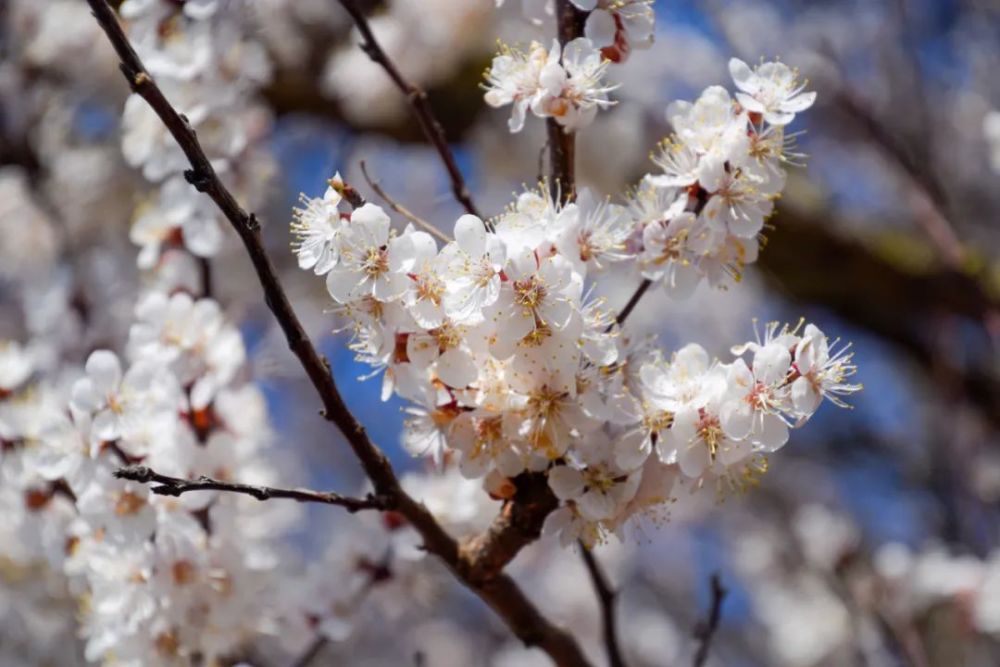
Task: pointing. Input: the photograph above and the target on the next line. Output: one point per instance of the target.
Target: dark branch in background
(499, 591)
(707, 628)
(935, 223)
(176, 486)
(418, 101)
(606, 596)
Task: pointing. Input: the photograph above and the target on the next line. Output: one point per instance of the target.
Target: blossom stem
(417, 99)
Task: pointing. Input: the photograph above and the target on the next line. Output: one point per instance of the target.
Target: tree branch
(176, 486)
(418, 102)
(706, 629)
(562, 144)
(518, 524)
(501, 593)
(606, 596)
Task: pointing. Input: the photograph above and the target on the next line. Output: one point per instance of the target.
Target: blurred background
(874, 538)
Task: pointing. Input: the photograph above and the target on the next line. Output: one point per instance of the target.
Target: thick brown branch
(418, 102)
(518, 524)
(176, 486)
(707, 628)
(606, 596)
(501, 593)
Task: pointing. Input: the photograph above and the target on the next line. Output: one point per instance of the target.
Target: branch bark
(501, 593)
(417, 99)
(562, 144)
(176, 486)
(606, 596)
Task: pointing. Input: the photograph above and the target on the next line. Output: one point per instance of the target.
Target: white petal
(770, 363)
(84, 397)
(601, 28)
(743, 76)
(104, 371)
(805, 397)
(470, 234)
(566, 482)
(693, 459)
(342, 282)
(457, 368)
(596, 506)
(632, 449)
(800, 102)
(773, 433)
(736, 419)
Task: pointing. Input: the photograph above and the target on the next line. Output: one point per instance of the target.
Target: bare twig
(176, 486)
(499, 591)
(707, 628)
(402, 210)
(606, 596)
(418, 102)
(632, 302)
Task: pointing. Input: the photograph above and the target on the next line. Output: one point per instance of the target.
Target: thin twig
(205, 277)
(632, 302)
(176, 486)
(606, 596)
(707, 628)
(417, 98)
(402, 210)
(495, 588)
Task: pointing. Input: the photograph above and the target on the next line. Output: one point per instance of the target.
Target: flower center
(529, 293)
(376, 262)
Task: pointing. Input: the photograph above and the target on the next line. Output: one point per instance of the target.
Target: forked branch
(166, 485)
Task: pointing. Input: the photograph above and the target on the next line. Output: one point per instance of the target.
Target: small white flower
(370, 263)
(821, 374)
(16, 366)
(317, 228)
(771, 89)
(474, 263)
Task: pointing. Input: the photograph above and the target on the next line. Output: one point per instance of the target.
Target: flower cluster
(163, 579)
(207, 68)
(721, 172)
(511, 366)
(561, 83)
